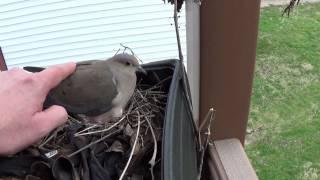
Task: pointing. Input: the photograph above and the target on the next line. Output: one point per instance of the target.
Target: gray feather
(90, 90)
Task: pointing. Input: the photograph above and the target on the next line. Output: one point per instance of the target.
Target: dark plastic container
(179, 142)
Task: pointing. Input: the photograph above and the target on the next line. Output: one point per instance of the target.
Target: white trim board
(193, 52)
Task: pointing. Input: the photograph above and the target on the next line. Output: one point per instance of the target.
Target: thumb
(49, 119)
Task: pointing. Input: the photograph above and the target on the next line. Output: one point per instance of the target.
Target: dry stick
(80, 133)
(290, 7)
(93, 143)
(132, 151)
(157, 85)
(126, 47)
(210, 115)
(86, 129)
(152, 161)
(203, 123)
(175, 17)
(117, 52)
(50, 137)
(99, 131)
(73, 119)
(142, 97)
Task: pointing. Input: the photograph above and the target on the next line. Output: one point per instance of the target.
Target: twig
(175, 17)
(86, 129)
(117, 52)
(160, 82)
(132, 151)
(55, 132)
(73, 119)
(152, 161)
(203, 123)
(93, 143)
(209, 117)
(290, 7)
(99, 131)
(126, 47)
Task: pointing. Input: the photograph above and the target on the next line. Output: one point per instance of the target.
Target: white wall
(44, 32)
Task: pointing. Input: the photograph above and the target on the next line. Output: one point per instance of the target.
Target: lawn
(283, 140)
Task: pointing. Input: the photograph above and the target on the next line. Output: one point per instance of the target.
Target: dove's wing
(89, 90)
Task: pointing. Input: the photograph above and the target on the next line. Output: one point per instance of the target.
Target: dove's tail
(33, 69)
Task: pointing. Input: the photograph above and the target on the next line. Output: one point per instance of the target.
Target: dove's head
(129, 62)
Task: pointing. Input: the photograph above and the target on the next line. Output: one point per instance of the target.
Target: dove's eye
(128, 64)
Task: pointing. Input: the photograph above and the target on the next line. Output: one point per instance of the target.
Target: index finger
(53, 75)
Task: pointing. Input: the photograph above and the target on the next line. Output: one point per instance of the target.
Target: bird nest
(128, 148)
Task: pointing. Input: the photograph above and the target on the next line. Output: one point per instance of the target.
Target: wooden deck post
(228, 39)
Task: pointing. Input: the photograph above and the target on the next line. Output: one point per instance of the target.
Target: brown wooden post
(228, 39)
(3, 65)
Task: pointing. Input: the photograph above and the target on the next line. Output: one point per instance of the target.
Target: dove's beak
(140, 69)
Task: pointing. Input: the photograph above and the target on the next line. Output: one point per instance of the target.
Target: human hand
(22, 94)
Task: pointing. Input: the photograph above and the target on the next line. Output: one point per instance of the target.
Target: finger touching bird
(98, 90)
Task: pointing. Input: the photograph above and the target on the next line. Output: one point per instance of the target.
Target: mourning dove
(99, 90)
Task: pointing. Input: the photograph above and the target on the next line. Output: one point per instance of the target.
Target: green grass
(284, 122)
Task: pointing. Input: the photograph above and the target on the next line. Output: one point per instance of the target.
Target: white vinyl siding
(45, 32)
